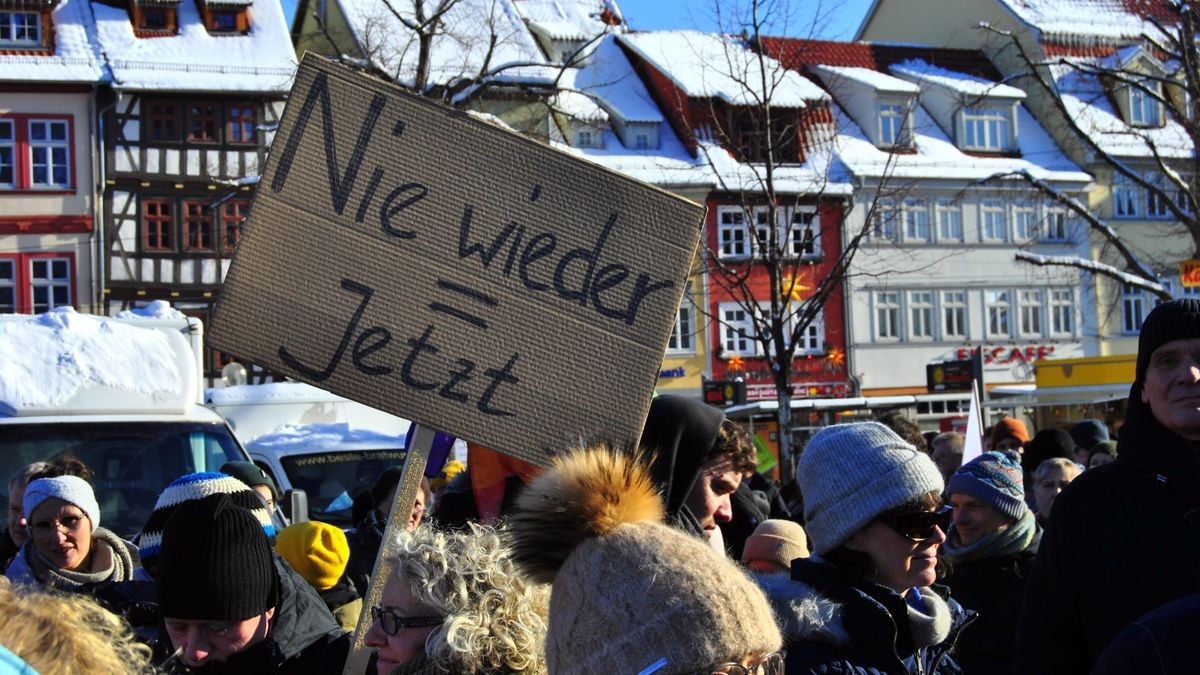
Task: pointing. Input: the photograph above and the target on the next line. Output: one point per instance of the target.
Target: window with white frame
(1054, 223)
(812, 339)
(762, 230)
(683, 334)
(1145, 109)
(731, 232)
(993, 220)
(737, 331)
(8, 154)
(891, 125)
(1062, 311)
(886, 220)
(1157, 196)
(49, 283)
(20, 29)
(1176, 289)
(1025, 221)
(948, 213)
(583, 138)
(1031, 308)
(641, 141)
(916, 220)
(986, 128)
(804, 231)
(920, 315)
(1125, 195)
(998, 305)
(49, 154)
(887, 315)
(1133, 308)
(8, 286)
(954, 314)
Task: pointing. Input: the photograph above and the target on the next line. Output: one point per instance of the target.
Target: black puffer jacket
(304, 637)
(832, 624)
(1162, 642)
(1124, 538)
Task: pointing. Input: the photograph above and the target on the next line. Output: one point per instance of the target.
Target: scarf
(110, 562)
(929, 617)
(1005, 542)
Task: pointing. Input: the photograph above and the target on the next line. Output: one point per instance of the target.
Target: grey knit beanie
(851, 473)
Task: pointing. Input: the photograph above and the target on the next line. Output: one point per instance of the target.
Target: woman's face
(408, 643)
(62, 533)
(1045, 490)
(900, 563)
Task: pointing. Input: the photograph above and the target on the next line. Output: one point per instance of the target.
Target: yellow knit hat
(317, 551)
(447, 474)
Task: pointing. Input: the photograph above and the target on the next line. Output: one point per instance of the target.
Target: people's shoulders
(1162, 640)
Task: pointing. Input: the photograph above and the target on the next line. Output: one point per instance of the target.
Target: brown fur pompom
(587, 493)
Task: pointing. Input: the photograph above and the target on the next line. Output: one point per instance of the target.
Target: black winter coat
(992, 588)
(1162, 642)
(1124, 538)
(304, 637)
(834, 625)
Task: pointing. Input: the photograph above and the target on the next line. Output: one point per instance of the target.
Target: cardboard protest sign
(413, 258)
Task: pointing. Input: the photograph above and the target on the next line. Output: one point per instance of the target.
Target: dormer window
(891, 125)
(20, 30)
(154, 19)
(987, 129)
(583, 139)
(1145, 109)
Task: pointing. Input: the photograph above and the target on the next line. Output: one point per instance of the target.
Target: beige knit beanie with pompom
(630, 592)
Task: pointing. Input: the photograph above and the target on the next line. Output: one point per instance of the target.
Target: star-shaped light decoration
(798, 288)
(736, 364)
(836, 356)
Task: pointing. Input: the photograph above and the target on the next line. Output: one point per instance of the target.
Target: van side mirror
(297, 503)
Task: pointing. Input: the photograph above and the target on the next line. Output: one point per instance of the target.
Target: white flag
(974, 446)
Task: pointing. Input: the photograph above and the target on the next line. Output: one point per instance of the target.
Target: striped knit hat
(191, 487)
(993, 478)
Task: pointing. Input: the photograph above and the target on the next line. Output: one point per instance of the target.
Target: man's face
(709, 498)
(202, 642)
(1172, 387)
(974, 520)
(948, 461)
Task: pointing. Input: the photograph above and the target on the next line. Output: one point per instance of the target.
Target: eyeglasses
(44, 529)
(771, 664)
(391, 623)
(918, 525)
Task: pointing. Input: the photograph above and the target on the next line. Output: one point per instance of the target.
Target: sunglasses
(918, 525)
(771, 664)
(391, 623)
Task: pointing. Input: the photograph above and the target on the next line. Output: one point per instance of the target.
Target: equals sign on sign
(470, 294)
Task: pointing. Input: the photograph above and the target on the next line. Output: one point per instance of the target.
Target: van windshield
(131, 461)
(333, 479)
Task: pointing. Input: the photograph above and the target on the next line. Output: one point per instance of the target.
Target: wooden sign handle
(406, 496)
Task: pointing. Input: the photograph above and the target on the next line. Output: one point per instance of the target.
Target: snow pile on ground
(45, 359)
(317, 437)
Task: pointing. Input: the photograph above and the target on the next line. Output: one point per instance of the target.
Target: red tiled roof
(797, 54)
(1157, 10)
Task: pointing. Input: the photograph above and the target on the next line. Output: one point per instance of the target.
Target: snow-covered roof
(1103, 19)
(460, 51)
(928, 74)
(578, 106)
(567, 19)
(936, 157)
(878, 81)
(1091, 106)
(75, 57)
(306, 438)
(610, 80)
(822, 173)
(261, 61)
(705, 65)
(561, 30)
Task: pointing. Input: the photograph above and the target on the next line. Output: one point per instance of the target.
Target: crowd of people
(1064, 551)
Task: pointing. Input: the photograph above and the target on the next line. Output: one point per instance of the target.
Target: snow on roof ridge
(922, 70)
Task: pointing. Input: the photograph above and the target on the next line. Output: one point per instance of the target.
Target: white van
(124, 395)
(308, 439)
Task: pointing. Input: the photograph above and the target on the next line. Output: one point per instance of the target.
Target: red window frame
(197, 226)
(203, 120)
(163, 120)
(23, 153)
(233, 214)
(23, 281)
(158, 225)
(241, 123)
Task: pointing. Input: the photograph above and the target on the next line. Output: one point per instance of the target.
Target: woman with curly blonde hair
(66, 634)
(456, 603)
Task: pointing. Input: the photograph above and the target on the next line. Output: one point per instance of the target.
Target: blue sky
(839, 19)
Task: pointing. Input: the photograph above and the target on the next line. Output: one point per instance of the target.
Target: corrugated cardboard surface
(355, 246)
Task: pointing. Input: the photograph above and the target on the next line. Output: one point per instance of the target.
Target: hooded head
(678, 436)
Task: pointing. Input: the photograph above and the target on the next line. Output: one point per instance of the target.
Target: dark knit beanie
(1174, 320)
(1088, 433)
(192, 487)
(993, 478)
(215, 563)
(1045, 444)
(251, 474)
